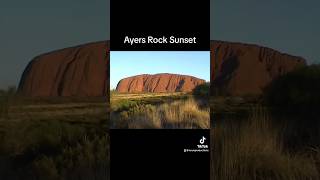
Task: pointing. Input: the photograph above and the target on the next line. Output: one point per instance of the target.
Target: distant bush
(10, 91)
(5, 96)
(113, 91)
(123, 105)
(4, 106)
(297, 89)
(202, 89)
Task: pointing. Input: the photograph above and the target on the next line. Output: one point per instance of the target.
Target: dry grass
(53, 138)
(254, 149)
(116, 96)
(19, 109)
(184, 114)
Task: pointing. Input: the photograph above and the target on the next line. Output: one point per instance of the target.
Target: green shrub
(202, 89)
(123, 105)
(299, 89)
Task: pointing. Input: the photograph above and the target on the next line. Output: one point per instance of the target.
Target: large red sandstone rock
(236, 69)
(78, 71)
(242, 69)
(156, 83)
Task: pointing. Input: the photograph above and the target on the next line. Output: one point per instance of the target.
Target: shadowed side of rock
(242, 69)
(77, 71)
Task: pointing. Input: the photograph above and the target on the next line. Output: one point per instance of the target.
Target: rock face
(242, 69)
(78, 71)
(236, 69)
(158, 83)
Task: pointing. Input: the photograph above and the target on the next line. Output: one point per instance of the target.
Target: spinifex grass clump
(184, 114)
(41, 149)
(254, 149)
(176, 114)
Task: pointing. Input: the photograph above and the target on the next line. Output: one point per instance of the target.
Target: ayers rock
(236, 69)
(163, 82)
(242, 69)
(77, 71)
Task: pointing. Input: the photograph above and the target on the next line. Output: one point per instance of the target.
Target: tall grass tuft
(184, 114)
(253, 149)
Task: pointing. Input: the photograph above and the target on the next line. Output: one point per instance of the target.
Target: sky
(29, 28)
(125, 63)
(290, 26)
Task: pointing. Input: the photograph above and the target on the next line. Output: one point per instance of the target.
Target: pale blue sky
(129, 63)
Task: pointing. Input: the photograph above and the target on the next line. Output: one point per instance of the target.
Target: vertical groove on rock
(62, 84)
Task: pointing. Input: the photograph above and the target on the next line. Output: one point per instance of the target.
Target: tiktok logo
(202, 145)
(202, 140)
